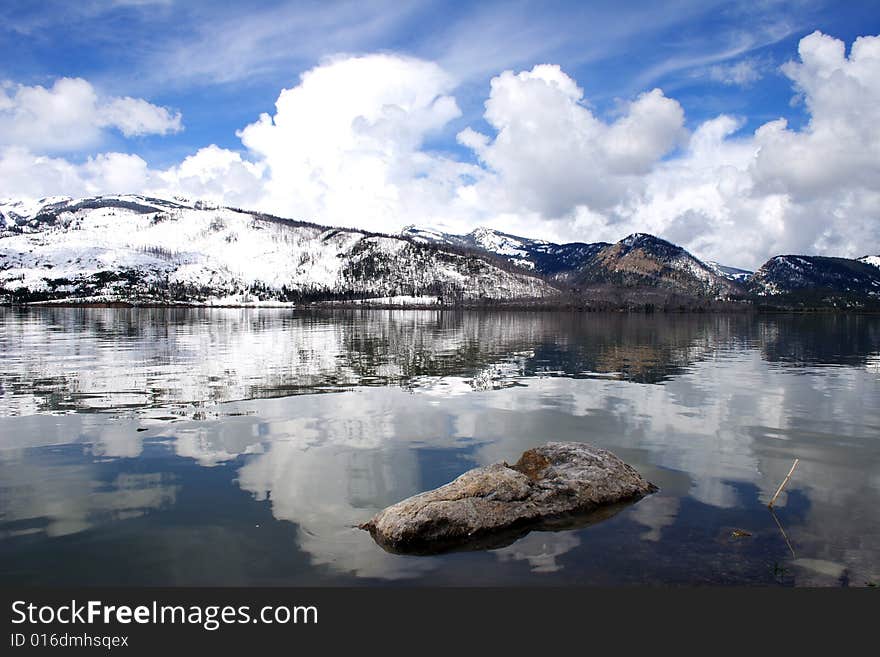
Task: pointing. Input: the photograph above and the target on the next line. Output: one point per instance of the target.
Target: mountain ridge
(128, 247)
(141, 249)
(547, 258)
(815, 276)
(661, 263)
(644, 260)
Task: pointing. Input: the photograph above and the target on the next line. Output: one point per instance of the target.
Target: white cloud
(743, 73)
(346, 146)
(704, 199)
(70, 115)
(651, 128)
(779, 190)
(840, 146)
(24, 174)
(551, 154)
(735, 198)
(135, 116)
(215, 174)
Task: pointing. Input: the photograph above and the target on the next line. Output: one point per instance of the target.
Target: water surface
(242, 446)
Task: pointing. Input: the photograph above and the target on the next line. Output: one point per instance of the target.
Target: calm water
(185, 447)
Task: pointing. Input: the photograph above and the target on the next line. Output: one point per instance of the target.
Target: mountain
(131, 248)
(730, 273)
(642, 260)
(557, 261)
(135, 248)
(816, 277)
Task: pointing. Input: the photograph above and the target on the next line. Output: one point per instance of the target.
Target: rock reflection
(541, 550)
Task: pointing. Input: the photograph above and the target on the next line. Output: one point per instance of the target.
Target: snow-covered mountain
(816, 275)
(557, 261)
(730, 273)
(138, 249)
(637, 260)
(134, 248)
(642, 260)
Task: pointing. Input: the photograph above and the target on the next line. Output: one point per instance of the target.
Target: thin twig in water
(784, 481)
(784, 535)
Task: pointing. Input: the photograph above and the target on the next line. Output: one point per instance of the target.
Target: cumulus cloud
(70, 115)
(704, 199)
(215, 174)
(135, 116)
(551, 154)
(780, 190)
(26, 175)
(347, 146)
(840, 146)
(344, 146)
(737, 198)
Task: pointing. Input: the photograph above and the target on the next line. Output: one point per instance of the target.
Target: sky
(738, 130)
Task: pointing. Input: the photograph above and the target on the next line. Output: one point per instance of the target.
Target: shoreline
(511, 306)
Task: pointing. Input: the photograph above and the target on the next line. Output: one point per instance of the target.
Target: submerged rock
(550, 487)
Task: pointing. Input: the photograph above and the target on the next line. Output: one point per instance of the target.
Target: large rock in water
(493, 505)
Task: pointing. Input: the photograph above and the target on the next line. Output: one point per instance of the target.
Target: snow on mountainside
(790, 274)
(143, 249)
(509, 246)
(13, 212)
(644, 260)
(730, 273)
(555, 260)
(638, 260)
(149, 250)
(431, 236)
(563, 261)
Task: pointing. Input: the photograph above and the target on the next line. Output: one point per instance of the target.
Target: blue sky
(220, 64)
(170, 52)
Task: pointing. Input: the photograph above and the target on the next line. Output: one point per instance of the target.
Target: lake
(243, 446)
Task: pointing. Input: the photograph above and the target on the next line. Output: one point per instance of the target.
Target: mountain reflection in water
(183, 446)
